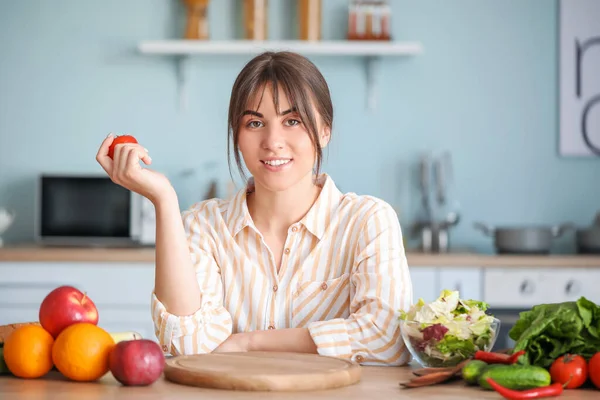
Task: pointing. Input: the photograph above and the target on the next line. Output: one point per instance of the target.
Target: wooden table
(377, 382)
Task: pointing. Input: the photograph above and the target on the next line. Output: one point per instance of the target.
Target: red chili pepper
(498, 358)
(492, 358)
(514, 357)
(546, 391)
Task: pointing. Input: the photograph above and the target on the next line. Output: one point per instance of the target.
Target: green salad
(447, 330)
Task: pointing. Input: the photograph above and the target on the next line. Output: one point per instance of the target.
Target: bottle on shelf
(369, 20)
(197, 19)
(309, 19)
(255, 19)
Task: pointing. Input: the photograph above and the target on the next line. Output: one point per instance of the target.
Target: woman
(289, 263)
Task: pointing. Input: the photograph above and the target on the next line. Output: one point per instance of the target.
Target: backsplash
(485, 89)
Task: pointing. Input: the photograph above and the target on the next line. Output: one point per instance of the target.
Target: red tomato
(594, 369)
(569, 368)
(120, 140)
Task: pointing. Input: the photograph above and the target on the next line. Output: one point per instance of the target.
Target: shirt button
(359, 358)
(324, 286)
(275, 288)
(271, 326)
(294, 229)
(287, 251)
(165, 348)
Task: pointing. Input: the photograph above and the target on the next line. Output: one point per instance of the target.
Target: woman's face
(275, 145)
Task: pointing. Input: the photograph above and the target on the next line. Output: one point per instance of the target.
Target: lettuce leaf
(452, 344)
(548, 331)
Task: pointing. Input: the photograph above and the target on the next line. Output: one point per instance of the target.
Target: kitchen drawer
(517, 288)
(570, 285)
(525, 288)
(466, 280)
(27, 284)
(424, 283)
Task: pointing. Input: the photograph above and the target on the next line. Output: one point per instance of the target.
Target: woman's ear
(324, 137)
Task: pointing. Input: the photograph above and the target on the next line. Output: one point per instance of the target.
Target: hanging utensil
(425, 185)
(442, 170)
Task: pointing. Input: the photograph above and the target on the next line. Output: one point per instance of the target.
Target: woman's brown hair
(303, 85)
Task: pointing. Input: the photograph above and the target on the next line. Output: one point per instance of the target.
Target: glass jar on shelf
(196, 26)
(369, 20)
(309, 19)
(255, 19)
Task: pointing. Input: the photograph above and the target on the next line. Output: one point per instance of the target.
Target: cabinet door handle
(457, 287)
(571, 287)
(527, 287)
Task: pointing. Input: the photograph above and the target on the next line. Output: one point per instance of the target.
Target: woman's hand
(125, 170)
(236, 343)
(296, 340)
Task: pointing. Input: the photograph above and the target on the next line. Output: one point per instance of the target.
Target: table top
(380, 381)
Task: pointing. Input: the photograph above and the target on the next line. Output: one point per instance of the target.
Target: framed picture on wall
(579, 75)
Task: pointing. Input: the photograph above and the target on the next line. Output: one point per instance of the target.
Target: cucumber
(516, 377)
(472, 370)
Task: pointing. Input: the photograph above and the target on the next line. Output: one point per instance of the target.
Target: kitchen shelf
(372, 51)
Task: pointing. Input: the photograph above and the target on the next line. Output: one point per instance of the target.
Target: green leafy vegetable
(450, 344)
(548, 331)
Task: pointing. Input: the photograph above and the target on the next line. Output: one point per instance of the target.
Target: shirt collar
(238, 216)
(316, 220)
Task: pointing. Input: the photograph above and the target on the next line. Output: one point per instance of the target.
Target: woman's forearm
(296, 340)
(175, 283)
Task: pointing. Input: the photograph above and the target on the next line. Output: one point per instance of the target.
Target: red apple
(137, 362)
(65, 306)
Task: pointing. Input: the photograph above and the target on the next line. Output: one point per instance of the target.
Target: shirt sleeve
(211, 324)
(382, 287)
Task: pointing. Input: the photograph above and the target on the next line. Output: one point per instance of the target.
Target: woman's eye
(293, 122)
(254, 124)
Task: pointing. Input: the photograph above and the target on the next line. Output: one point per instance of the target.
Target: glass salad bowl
(447, 331)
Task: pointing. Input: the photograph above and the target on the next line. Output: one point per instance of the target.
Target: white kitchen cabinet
(570, 285)
(466, 280)
(528, 287)
(424, 283)
(120, 291)
(428, 282)
(520, 288)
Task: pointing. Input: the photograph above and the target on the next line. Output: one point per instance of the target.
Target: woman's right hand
(125, 170)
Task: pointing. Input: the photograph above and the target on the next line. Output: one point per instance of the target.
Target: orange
(28, 351)
(81, 352)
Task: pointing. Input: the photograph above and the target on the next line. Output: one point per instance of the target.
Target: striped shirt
(343, 275)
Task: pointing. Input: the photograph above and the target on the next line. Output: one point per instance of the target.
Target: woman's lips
(276, 165)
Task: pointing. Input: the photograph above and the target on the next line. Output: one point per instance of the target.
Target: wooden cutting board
(6, 330)
(262, 371)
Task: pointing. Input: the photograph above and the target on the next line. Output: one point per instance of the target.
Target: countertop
(382, 382)
(32, 253)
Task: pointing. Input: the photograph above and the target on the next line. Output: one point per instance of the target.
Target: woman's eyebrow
(250, 112)
(259, 115)
(293, 109)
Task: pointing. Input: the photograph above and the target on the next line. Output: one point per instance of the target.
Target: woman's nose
(273, 138)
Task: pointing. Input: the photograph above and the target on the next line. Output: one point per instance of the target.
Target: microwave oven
(91, 210)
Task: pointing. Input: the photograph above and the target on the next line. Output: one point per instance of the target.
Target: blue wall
(485, 89)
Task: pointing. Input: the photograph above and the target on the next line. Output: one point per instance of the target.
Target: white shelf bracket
(372, 69)
(183, 78)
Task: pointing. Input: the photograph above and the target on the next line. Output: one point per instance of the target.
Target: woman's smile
(277, 164)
